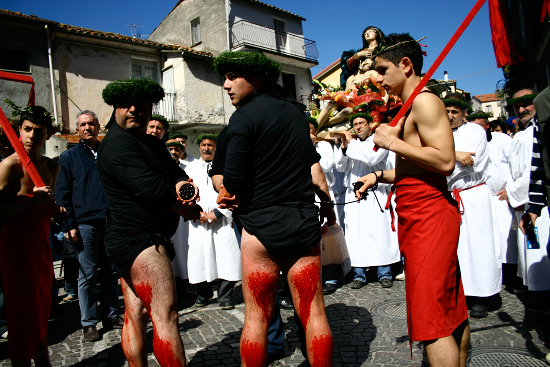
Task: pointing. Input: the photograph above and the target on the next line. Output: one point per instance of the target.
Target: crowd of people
(469, 197)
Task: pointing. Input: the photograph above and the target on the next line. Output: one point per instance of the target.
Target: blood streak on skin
(262, 287)
(145, 293)
(164, 352)
(252, 354)
(321, 349)
(306, 283)
(126, 338)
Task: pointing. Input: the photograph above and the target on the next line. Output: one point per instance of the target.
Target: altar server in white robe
(334, 178)
(533, 263)
(180, 238)
(479, 252)
(213, 248)
(369, 236)
(325, 151)
(500, 147)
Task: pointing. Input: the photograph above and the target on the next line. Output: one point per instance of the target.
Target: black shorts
(286, 230)
(124, 257)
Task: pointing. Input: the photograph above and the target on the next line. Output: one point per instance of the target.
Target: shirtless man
(141, 181)
(24, 242)
(423, 143)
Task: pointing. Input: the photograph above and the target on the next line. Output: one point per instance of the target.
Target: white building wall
(83, 71)
(263, 16)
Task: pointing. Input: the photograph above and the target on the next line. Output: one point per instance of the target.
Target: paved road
(369, 329)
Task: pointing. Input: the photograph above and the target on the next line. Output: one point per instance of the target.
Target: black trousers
(225, 290)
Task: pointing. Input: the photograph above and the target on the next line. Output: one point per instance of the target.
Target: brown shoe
(90, 333)
(117, 322)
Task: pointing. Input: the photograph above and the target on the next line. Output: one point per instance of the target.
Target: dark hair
(395, 46)
(38, 115)
(498, 122)
(160, 118)
(457, 100)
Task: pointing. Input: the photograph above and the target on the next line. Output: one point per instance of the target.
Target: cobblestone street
(368, 324)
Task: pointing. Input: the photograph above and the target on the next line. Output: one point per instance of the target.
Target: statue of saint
(350, 60)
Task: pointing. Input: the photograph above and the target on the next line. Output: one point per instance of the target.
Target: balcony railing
(244, 33)
(166, 107)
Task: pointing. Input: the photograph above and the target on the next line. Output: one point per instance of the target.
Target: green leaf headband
(18, 111)
(479, 115)
(525, 98)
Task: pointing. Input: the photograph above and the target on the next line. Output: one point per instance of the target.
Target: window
(14, 60)
(280, 34)
(195, 31)
(488, 109)
(144, 70)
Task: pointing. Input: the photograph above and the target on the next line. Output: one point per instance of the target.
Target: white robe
(479, 252)
(500, 148)
(180, 238)
(369, 237)
(533, 264)
(335, 179)
(213, 248)
(188, 159)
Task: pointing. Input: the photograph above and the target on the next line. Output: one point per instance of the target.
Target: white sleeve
(474, 141)
(517, 186)
(327, 156)
(341, 161)
(364, 152)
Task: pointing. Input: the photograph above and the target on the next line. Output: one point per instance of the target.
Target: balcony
(243, 33)
(166, 107)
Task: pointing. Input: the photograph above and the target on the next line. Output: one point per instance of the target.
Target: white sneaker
(400, 276)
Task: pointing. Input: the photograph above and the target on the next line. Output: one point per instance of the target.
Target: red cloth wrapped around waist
(428, 230)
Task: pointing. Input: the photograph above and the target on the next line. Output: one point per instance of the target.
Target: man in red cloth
(25, 255)
(429, 221)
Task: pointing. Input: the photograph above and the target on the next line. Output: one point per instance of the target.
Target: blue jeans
(382, 272)
(92, 234)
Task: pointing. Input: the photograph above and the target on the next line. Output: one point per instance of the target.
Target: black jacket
(78, 188)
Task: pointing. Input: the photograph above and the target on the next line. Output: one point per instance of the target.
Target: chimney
(446, 76)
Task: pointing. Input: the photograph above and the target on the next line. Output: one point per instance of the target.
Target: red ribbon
(390, 207)
(14, 140)
(437, 62)
(458, 198)
(505, 52)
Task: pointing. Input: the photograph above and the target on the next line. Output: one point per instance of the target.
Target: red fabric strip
(505, 52)
(437, 62)
(20, 150)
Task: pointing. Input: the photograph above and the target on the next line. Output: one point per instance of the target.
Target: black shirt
(268, 164)
(139, 178)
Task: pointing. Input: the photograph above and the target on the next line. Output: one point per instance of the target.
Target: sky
(335, 26)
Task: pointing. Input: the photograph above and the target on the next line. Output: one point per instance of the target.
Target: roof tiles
(107, 35)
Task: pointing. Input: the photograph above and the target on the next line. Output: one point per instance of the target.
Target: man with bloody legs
(429, 220)
(268, 166)
(25, 255)
(141, 181)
